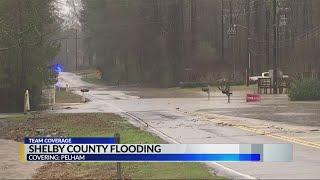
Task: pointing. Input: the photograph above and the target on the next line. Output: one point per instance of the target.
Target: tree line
(164, 42)
(27, 28)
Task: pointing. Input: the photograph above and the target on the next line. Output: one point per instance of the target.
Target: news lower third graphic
(104, 149)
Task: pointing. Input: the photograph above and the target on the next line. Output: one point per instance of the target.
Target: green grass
(252, 87)
(16, 116)
(169, 171)
(182, 90)
(305, 90)
(91, 78)
(84, 72)
(98, 124)
(67, 97)
(102, 125)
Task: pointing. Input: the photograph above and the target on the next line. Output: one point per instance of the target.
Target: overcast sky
(69, 10)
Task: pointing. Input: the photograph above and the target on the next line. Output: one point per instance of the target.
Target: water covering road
(177, 121)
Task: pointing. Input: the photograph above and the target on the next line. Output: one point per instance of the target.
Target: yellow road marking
(285, 138)
(22, 158)
(265, 133)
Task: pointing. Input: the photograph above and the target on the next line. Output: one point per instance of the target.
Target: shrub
(305, 89)
(192, 84)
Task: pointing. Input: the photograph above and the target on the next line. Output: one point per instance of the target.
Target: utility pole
(76, 49)
(231, 12)
(248, 45)
(67, 63)
(222, 31)
(267, 37)
(193, 22)
(275, 43)
(231, 36)
(278, 38)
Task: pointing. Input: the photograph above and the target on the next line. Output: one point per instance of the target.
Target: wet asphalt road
(298, 113)
(162, 115)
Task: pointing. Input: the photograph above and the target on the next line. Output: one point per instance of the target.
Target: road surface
(197, 120)
(11, 166)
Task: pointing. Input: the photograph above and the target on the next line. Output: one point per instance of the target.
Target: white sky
(69, 10)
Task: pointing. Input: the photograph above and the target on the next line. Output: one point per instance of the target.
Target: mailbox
(205, 89)
(84, 90)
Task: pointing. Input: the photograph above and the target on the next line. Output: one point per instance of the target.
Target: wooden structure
(264, 84)
(283, 84)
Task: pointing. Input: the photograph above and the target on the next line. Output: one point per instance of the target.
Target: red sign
(253, 98)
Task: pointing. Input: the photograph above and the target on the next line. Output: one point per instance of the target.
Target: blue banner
(69, 140)
(145, 157)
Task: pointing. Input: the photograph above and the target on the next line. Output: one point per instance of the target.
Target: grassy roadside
(97, 124)
(91, 78)
(67, 97)
(173, 92)
(61, 97)
(233, 88)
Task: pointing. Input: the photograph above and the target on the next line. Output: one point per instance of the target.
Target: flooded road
(298, 113)
(197, 120)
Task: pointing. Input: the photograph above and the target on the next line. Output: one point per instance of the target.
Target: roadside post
(49, 99)
(119, 169)
(54, 95)
(83, 90)
(26, 102)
